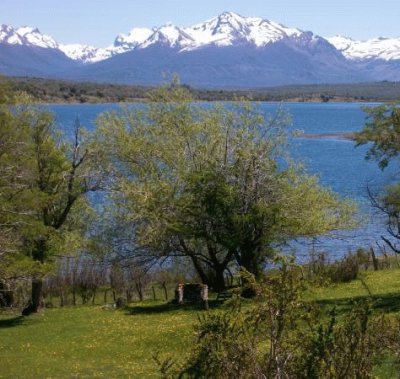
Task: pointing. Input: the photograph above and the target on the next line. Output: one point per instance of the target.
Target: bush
(320, 271)
(283, 337)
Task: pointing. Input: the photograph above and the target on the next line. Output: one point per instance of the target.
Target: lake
(339, 165)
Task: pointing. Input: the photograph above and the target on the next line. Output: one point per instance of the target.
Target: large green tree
(12, 209)
(213, 183)
(42, 188)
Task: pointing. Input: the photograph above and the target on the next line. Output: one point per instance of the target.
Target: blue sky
(97, 22)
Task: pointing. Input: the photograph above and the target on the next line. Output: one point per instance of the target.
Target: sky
(98, 22)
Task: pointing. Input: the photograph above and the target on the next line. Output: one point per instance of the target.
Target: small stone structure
(120, 303)
(191, 294)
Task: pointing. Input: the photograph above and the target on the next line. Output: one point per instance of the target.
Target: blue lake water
(339, 165)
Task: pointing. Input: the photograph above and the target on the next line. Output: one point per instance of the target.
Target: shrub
(283, 337)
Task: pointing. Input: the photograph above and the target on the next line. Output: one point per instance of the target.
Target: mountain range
(226, 51)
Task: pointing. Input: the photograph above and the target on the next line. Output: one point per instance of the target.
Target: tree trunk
(218, 284)
(253, 262)
(204, 278)
(375, 261)
(6, 296)
(38, 254)
(164, 286)
(129, 295)
(139, 290)
(34, 306)
(94, 296)
(37, 286)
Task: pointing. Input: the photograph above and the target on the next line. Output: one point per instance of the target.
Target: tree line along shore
(71, 92)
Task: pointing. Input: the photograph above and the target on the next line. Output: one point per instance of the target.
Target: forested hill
(60, 91)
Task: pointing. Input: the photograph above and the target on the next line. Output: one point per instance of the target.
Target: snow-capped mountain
(26, 36)
(230, 28)
(122, 44)
(9, 35)
(226, 29)
(26, 51)
(227, 50)
(387, 49)
(168, 35)
(32, 37)
(85, 53)
(127, 42)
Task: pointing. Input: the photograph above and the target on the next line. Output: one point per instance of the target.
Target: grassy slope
(90, 342)
(97, 342)
(382, 286)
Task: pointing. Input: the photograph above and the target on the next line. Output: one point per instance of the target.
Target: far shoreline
(58, 91)
(344, 136)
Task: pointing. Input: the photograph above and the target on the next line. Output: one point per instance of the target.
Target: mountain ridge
(226, 50)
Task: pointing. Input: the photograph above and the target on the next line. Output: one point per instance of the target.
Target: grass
(97, 342)
(92, 342)
(382, 287)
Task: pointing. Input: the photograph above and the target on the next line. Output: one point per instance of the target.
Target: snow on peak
(135, 37)
(221, 30)
(169, 35)
(26, 35)
(32, 36)
(229, 28)
(85, 53)
(9, 35)
(340, 42)
(376, 48)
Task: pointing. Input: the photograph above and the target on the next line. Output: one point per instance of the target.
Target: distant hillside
(60, 91)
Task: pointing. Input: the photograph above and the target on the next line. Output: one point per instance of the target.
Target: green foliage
(43, 180)
(283, 336)
(390, 200)
(388, 203)
(342, 349)
(383, 131)
(13, 170)
(347, 268)
(213, 183)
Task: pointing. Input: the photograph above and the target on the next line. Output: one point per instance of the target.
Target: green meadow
(101, 342)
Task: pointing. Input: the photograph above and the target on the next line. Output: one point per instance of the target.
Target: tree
(212, 183)
(13, 209)
(44, 188)
(65, 173)
(388, 203)
(383, 131)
